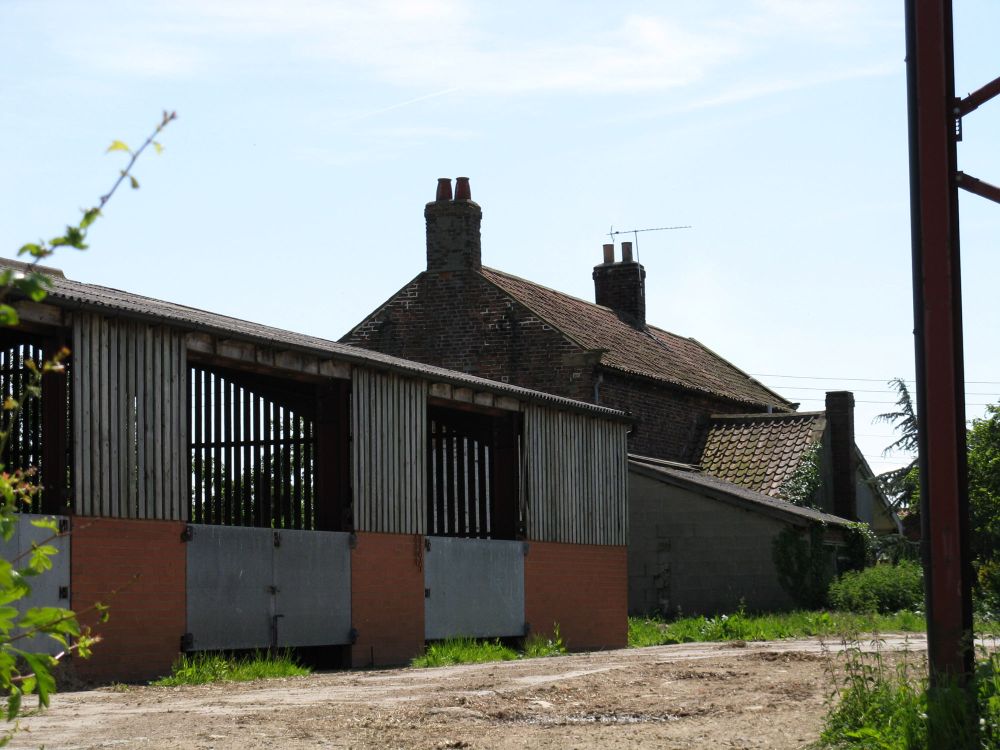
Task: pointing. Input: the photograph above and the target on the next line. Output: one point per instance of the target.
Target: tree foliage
(902, 485)
(23, 671)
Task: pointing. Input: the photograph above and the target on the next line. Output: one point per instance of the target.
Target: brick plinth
(582, 587)
(387, 598)
(144, 561)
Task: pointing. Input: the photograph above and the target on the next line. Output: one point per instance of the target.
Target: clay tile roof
(760, 451)
(652, 353)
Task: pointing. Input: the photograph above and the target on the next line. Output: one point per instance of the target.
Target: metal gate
(256, 588)
(51, 589)
(473, 587)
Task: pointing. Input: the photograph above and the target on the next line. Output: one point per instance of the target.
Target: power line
(862, 380)
(875, 390)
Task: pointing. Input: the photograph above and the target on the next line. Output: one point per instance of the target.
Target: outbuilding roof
(760, 451)
(71, 294)
(652, 352)
(728, 492)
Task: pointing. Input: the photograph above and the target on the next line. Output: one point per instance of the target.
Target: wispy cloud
(445, 45)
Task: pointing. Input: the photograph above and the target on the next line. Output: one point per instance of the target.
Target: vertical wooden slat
(77, 368)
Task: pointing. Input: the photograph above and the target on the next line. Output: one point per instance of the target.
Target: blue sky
(311, 133)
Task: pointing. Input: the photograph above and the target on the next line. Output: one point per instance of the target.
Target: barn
(227, 485)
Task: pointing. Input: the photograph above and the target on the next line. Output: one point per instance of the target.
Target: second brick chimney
(453, 228)
(622, 286)
(843, 457)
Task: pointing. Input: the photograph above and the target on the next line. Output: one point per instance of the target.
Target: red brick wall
(148, 615)
(670, 422)
(387, 598)
(582, 587)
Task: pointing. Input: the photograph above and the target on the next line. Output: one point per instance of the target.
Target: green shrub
(882, 588)
(804, 564)
(200, 668)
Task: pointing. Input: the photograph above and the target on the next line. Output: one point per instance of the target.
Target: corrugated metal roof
(75, 294)
(721, 489)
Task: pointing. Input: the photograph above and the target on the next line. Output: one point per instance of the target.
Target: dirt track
(759, 695)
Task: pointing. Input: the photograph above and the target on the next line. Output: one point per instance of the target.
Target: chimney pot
(443, 189)
(454, 240)
(626, 252)
(609, 253)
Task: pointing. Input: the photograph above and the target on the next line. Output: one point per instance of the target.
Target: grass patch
(885, 706)
(463, 651)
(644, 631)
(474, 651)
(651, 631)
(203, 667)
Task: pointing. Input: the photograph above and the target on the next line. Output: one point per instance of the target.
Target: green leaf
(118, 146)
(46, 523)
(13, 703)
(135, 182)
(41, 665)
(8, 316)
(35, 285)
(158, 146)
(39, 561)
(89, 217)
(32, 248)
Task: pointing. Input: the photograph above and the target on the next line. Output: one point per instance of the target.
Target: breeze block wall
(583, 588)
(138, 569)
(387, 598)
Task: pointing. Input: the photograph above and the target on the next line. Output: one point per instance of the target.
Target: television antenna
(635, 234)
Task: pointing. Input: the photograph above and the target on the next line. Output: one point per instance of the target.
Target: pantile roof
(652, 353)
(760, 451)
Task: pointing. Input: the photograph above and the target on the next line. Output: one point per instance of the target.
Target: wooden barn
(233, 486)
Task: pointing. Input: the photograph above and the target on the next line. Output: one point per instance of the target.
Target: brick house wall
(458, 320)
(452, 316)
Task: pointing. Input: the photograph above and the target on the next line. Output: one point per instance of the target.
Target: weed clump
(886, 706)
(204, 667)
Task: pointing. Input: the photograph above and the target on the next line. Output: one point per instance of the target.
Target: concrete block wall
(697, 555)
(138, 569)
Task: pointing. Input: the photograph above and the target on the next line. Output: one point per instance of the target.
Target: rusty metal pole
(938, 332)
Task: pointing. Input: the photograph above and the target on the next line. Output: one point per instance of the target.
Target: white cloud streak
(443, 45)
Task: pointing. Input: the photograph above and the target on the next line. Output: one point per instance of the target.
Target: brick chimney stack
(453, 228)
(843, 456)
(622, 286)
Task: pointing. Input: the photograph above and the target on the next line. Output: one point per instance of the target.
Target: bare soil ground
(709, 695)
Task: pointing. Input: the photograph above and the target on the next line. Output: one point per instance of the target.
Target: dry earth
(758, 695)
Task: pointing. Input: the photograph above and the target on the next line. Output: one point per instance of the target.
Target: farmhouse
(692, 408)
(231, 486)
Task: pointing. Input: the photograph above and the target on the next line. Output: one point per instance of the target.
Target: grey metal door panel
(476, 588)
(229, 587)
(312, 578)
(45, 588)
